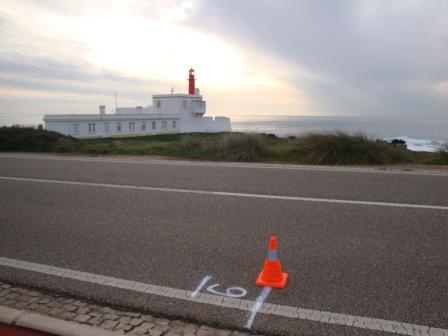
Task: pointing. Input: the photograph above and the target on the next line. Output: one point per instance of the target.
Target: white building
(170, 113)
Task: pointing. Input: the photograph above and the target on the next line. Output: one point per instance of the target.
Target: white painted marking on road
(362, 322)
(230, 165)
(235, 292)
(201, 284)
(229, 194)
(256, 307)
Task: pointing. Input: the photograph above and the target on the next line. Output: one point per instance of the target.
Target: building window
(200, 105)
(174, 123)
(131, 126)
(163, 124)
(159, 104)
(153, 125)
(75, 129)
(143, 125)
(106, 127)
(184, 104)
(118, 127)
(91, 128)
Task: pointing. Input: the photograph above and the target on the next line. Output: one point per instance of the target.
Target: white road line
(256, 307)
(230, 194)
(202, 284)
(231, 165)
(362, 322)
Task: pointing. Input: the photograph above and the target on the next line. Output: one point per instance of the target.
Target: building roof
(177, 95)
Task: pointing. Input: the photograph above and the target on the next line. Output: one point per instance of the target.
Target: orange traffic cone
(271, 275)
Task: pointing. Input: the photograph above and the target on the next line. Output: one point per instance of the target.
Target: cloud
(346, 57)
(137, 49)
(441, 88)
(349, 39)
(358, 47)
(55, 75)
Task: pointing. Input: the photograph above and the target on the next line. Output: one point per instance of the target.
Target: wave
(419, 145)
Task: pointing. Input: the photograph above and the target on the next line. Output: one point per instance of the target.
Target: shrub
(343, 148)
(28, 139)
(67, 148)
(243, 147)
(191, 142)
(97, 149)
(398, 142)
(269, 135)
(442, 154)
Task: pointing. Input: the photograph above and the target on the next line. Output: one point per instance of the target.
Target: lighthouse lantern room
(191, 80)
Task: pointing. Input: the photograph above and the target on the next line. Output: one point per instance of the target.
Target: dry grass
(243, 147)
(343, 148)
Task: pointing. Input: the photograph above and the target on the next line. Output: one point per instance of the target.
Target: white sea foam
(419, 145)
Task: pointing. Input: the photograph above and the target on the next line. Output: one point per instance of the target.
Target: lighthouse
(191, 80)
(169, 113)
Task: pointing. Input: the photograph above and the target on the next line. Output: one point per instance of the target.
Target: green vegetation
(342, 148)
(335, 148)
(27, 139)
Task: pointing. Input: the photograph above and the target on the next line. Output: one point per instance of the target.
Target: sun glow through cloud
(154, 44)
(159, 49)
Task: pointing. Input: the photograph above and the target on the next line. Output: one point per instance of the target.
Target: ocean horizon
(421, 135)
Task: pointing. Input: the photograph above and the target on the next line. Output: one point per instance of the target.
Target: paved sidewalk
(121, 322)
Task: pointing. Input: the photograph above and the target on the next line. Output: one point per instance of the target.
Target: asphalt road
(385, 261)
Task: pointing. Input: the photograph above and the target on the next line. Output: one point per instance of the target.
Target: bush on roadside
(97, 149)
(28, 139)
(343, 148)
(191, 142)
(67, 148)
(442, 154)
(243, 147)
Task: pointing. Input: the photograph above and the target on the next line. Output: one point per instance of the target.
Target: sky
(385, 58)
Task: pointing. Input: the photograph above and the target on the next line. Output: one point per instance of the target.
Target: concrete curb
(47, 324)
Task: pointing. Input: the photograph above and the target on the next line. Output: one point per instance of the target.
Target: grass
(335, 148)
(27, 139)
(342, 148)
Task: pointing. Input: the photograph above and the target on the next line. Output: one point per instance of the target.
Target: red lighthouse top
(191, 80)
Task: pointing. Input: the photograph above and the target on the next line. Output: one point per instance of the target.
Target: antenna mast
(116, 103)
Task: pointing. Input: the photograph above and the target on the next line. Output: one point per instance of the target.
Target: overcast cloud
(295, 57)
(370, 57)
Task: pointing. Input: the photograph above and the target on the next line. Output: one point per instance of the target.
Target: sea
(420, 135)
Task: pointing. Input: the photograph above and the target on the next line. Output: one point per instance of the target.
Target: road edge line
(363, 322)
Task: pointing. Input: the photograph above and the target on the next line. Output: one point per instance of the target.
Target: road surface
(365, 250)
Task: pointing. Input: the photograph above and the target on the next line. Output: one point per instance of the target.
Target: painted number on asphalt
(234, 292)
